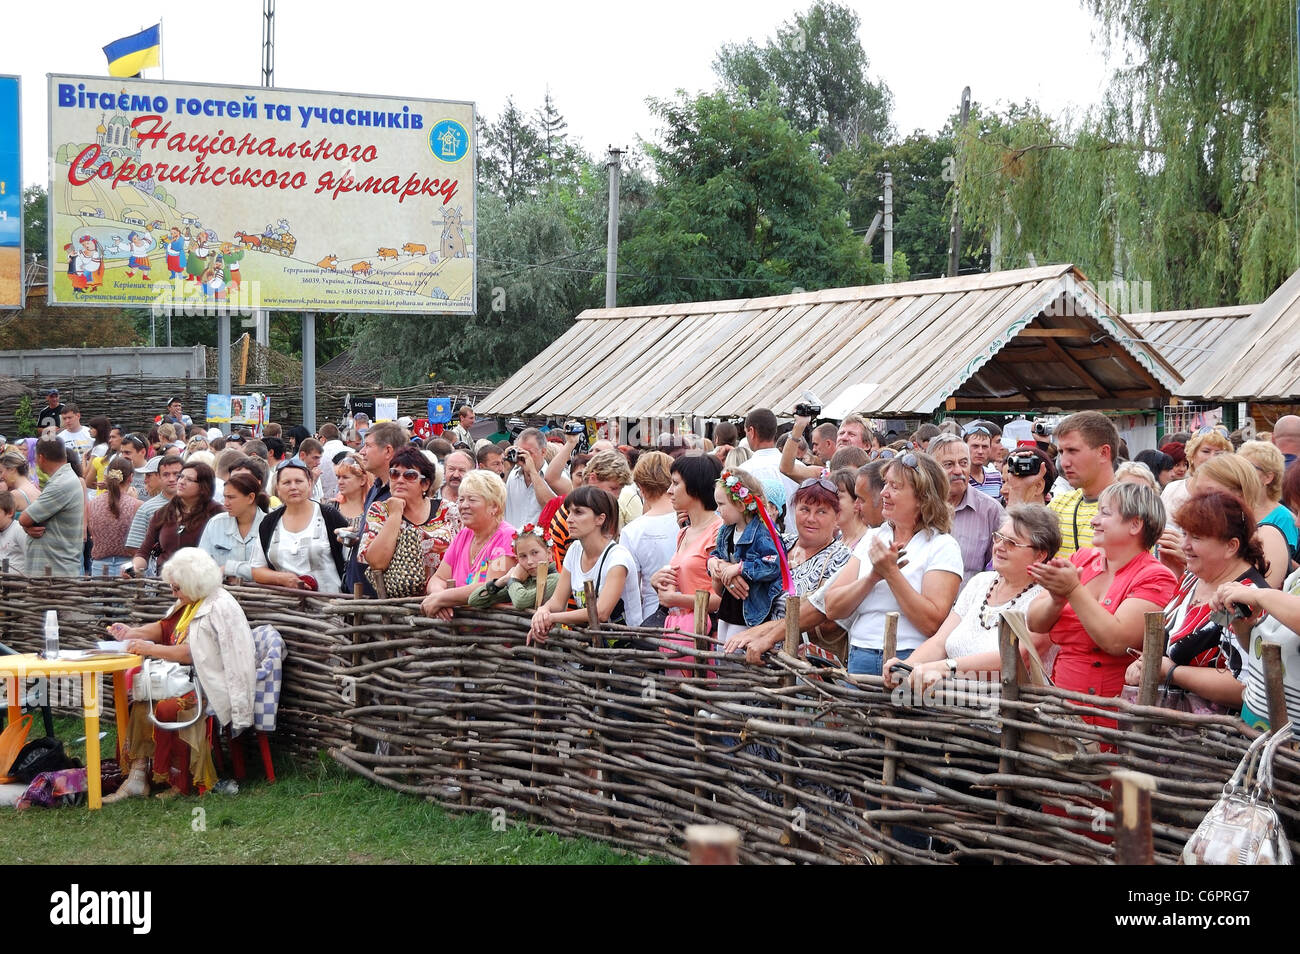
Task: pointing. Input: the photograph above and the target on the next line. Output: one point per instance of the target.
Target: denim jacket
(756, 552)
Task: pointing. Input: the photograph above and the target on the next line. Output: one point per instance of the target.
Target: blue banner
(11, 196)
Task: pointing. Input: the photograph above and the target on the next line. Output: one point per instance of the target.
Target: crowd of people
(946, 526)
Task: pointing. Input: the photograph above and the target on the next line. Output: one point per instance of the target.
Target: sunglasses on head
(910, 460)
(135, 440)
(820, 482)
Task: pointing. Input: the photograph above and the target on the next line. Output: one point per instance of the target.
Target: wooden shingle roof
(1025, 339)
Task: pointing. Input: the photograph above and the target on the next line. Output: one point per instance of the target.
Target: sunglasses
(978, 429)
(1003, 538)
(910, 460)
(395, 472)
(136, 441)
(820, 482)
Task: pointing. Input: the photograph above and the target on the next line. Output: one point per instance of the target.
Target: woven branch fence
(630, 745)
(134, 401)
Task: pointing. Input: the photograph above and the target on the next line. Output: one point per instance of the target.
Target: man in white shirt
(75, 438)
(526, 491)
(765, 464)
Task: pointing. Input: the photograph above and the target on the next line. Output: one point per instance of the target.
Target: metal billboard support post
(309, 370)
(223, 356)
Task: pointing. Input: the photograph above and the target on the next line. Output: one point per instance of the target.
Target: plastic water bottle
(51, 634)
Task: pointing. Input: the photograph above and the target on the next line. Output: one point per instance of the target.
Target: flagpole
(162, 63)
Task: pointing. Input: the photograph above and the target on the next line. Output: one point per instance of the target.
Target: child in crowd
(746, 565)
(532, 549)
(594, 555)
(13, 542)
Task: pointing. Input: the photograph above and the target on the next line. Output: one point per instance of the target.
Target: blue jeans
(868, 662)
(112, 564)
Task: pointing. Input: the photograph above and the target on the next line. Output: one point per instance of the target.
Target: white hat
(405, 422)
(214, 433)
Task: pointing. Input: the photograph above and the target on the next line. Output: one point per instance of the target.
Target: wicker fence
(134, 401)
(630, 745)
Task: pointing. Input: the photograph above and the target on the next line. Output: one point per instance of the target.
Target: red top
(1081, 665)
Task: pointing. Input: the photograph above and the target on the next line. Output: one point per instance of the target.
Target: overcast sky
(600, 61)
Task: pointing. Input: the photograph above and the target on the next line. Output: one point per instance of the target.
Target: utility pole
(611, 239)
(954, 231)
(889, 224)
(262, 318)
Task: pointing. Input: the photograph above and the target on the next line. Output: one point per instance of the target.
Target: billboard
(177, 194)
(11, 195)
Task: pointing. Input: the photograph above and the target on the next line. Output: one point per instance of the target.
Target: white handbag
(165, 679)
(1243, 828)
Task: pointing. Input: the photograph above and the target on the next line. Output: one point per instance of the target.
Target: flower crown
(533, 530)
(741, 495)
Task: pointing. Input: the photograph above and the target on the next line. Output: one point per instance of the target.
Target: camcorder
(1024, 465)
(579, 430)
(810, 406)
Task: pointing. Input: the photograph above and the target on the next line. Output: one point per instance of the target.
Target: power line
(601, 271)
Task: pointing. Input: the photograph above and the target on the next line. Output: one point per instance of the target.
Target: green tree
(818, 67)
(513, 164)
(35, 222)
(1185, 176)
(534, 276)
(561, 159)
(742, 207)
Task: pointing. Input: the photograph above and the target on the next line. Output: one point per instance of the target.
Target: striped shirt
(1075, 511)
(992, 483)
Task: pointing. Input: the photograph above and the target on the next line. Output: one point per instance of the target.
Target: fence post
(537, 683)
(1153, 649)
(1009, 654)
(598, 710)
(1274, 685)
(701, 644)
(889, 769)
(713, 844)
(1131, 796)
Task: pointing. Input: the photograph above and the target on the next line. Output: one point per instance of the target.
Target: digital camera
(511, 455)
(1024, 465)
(807, 410)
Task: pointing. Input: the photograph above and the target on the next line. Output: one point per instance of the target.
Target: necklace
(473, 557)
(984, 606)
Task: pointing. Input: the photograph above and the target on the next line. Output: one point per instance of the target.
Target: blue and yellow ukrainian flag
(129, 55)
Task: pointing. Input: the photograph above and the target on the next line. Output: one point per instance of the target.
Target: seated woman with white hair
(205, 628)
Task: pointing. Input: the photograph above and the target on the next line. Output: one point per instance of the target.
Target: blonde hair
(609, 465)
(750, 483)
(487, 485)
(1237, 475)
(1139, 470)
(929, 482)
(652, 473)
(1213, 438)
(1269, 459)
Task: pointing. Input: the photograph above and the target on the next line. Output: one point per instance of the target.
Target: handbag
(164, 679)
(1242, 828)
(1052, 744)
(12, 740)
(406, 574)
(41, 755)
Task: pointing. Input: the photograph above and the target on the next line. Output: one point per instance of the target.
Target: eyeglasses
(1003, 538)
(820, 482)
(395, 472)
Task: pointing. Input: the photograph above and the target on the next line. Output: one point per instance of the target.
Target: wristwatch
(952, 666)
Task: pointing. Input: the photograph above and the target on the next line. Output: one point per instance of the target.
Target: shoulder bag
(1243, 828)
(165, 679)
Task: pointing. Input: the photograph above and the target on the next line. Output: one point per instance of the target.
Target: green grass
(318, 814)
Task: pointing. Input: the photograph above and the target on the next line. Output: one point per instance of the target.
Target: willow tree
(1185, 174)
